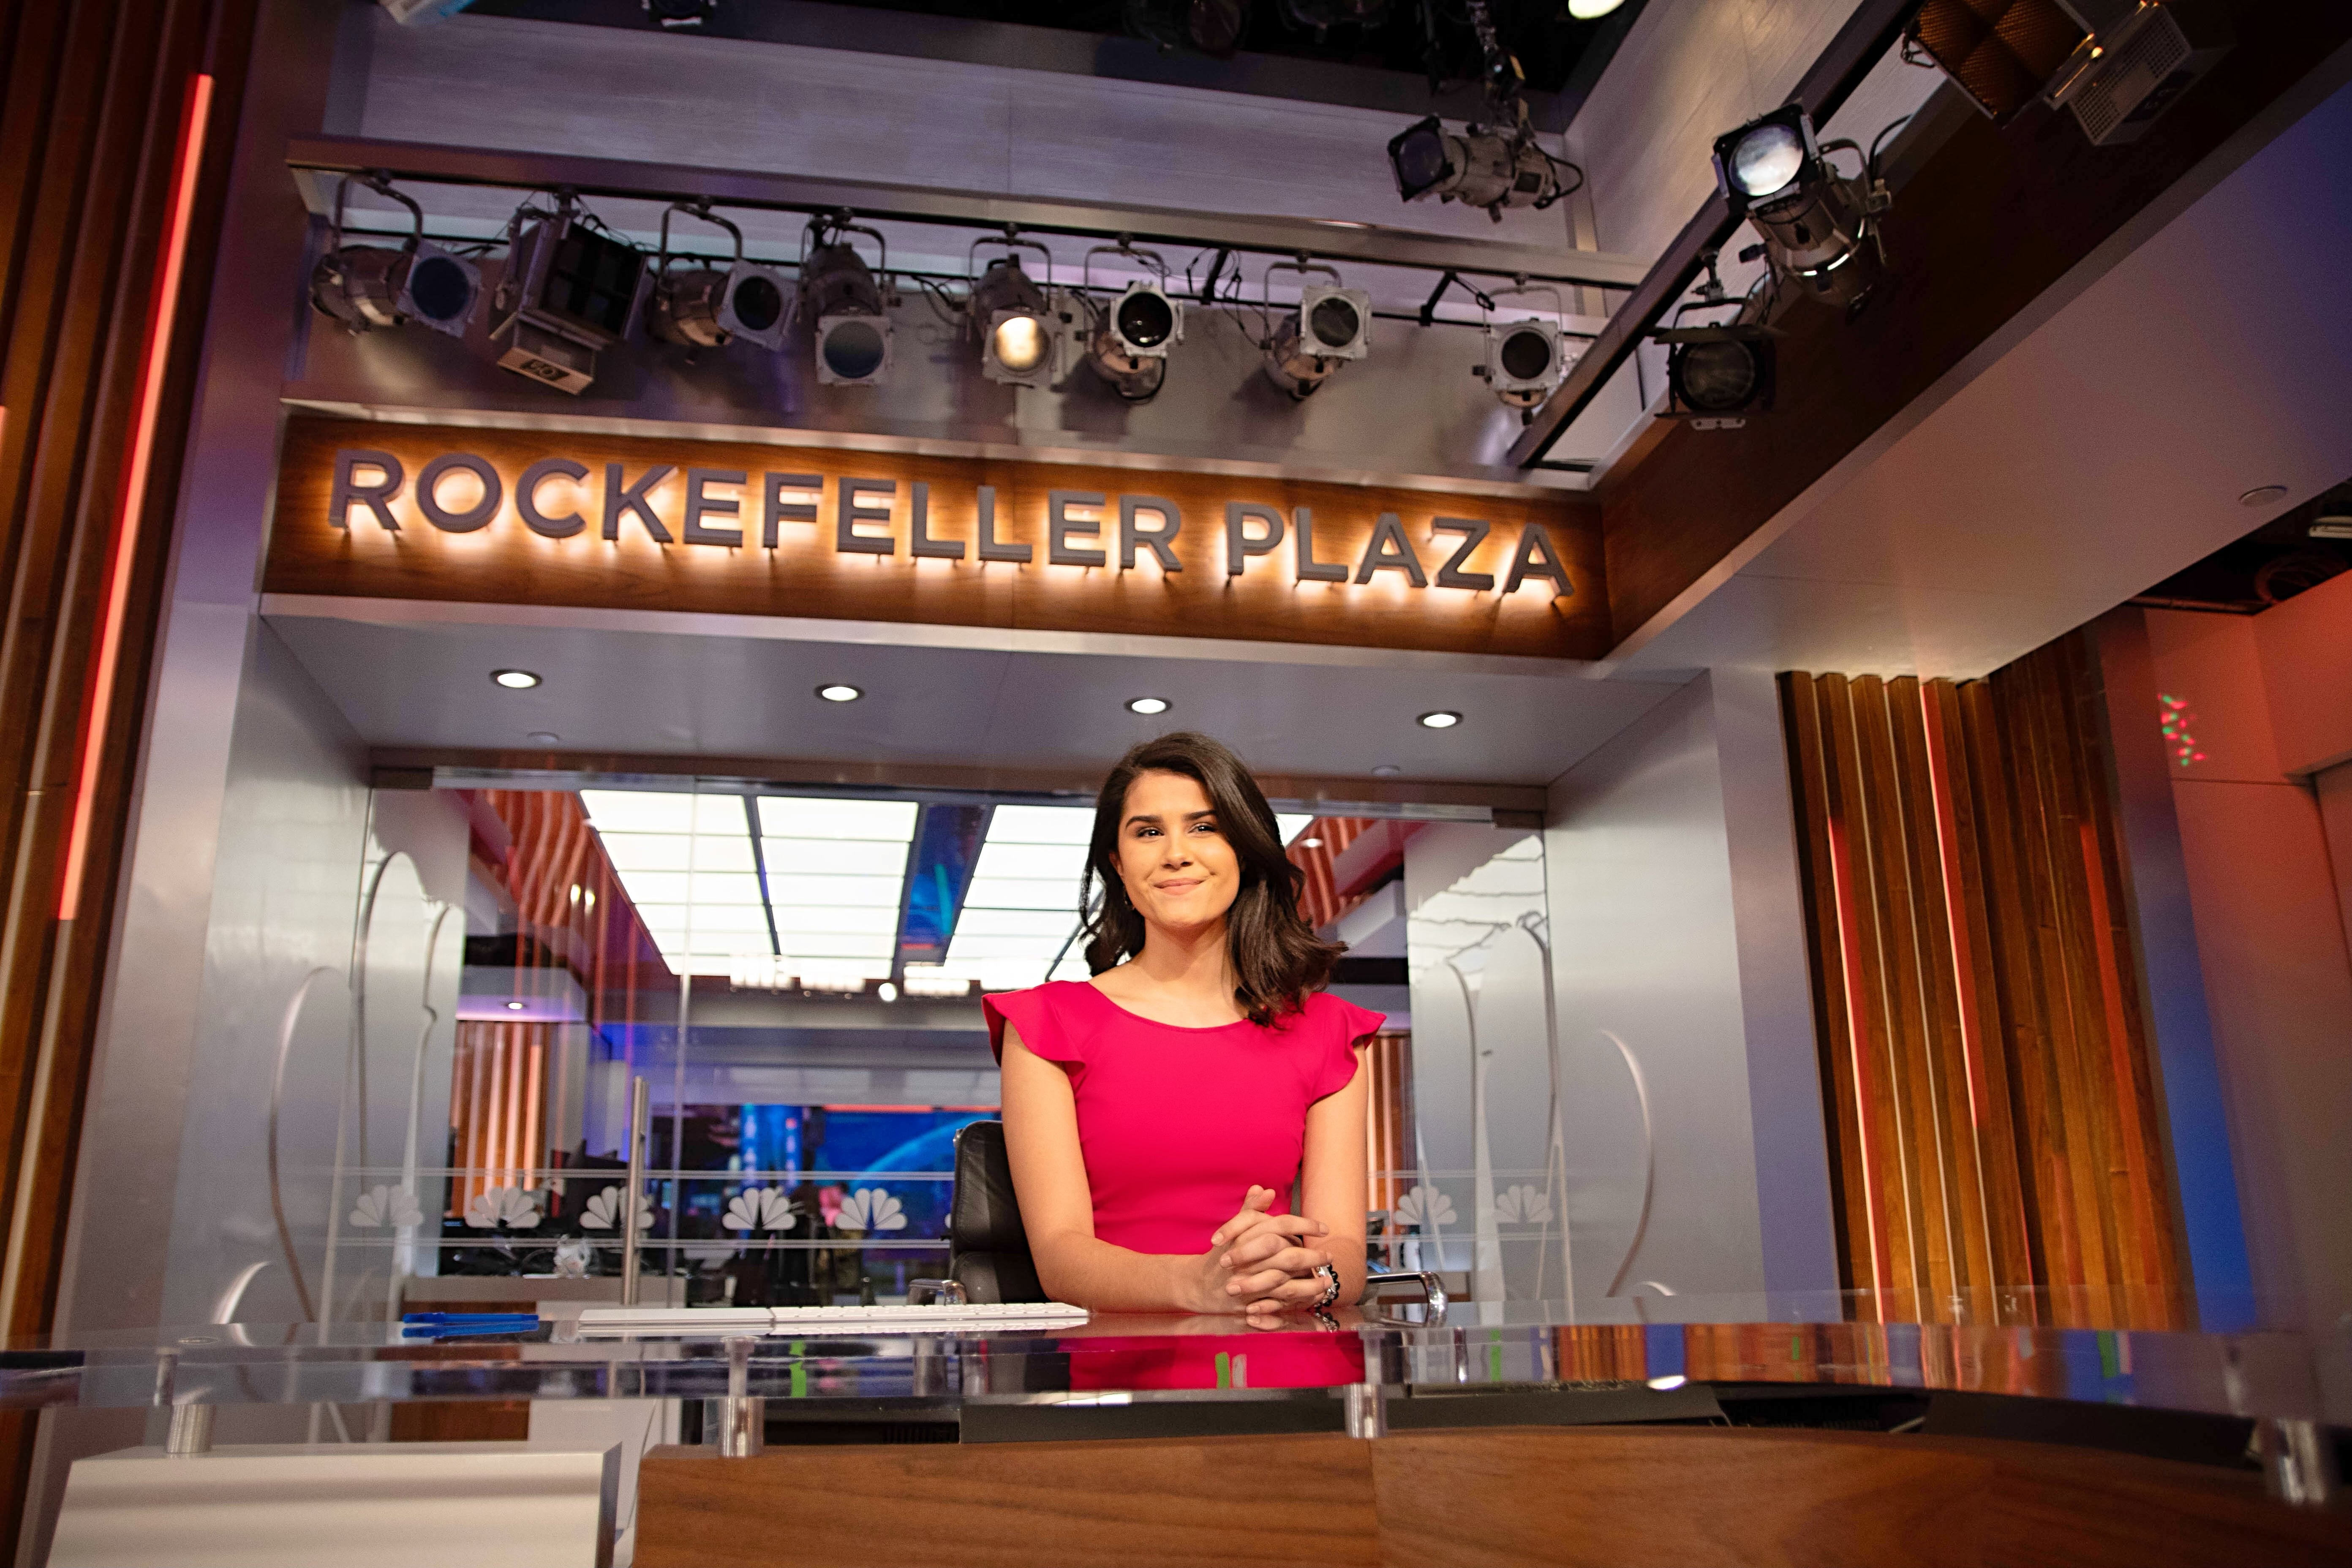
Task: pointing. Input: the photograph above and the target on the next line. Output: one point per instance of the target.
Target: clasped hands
(1263, 1264)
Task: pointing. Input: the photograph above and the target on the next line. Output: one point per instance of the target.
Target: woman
(1159, 1114)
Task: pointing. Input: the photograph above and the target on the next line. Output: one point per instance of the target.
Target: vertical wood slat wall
(91, 98)
(1995, 1148)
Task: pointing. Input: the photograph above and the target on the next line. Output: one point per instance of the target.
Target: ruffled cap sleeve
(1035, 1014)
(1337, 1029)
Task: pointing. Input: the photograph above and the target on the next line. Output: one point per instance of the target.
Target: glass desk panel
(1471, 1347)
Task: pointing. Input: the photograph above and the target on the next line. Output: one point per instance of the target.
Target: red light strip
(163, 315)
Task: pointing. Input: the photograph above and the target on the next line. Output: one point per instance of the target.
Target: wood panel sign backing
(551, 518)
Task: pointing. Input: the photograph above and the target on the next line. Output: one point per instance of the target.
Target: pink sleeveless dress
(1177, 1124)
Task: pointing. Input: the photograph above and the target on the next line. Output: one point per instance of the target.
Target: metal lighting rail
(1867, 35)
(1328, 239)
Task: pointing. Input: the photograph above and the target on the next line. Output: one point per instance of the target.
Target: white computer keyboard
(895, 1319)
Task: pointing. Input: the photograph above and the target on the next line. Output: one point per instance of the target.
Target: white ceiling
(725, 689)
(2097, 446)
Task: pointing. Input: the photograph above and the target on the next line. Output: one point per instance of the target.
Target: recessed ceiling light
(886, 991)
(2262, 495)
(1147, 705)
(1443, 718)
(838, 692)
(515, 680)
(542, 737)
(1311, 843)
(1386, 771)
(514, 1006)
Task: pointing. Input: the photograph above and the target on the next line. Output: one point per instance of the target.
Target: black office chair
(988, 1250)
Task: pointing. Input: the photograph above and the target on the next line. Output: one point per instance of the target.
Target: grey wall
(1677, 930)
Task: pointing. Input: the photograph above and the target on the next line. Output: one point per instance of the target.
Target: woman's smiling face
(1173, 859)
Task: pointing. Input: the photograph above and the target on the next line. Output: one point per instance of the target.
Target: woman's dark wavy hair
(1277, 959)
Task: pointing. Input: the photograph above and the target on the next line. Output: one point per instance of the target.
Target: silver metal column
(630, 1228)
(742, 1420)
(191, 1431)
(1367, 1409)
(2298, 1460)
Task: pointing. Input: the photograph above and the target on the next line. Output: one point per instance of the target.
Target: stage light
(1717, 376)
(709, 307)
(840, 295)
(1147, 705)
(1479, 166)
(1443, 719)
(367, 287)
(515, 680)
(2000, 58)
(1526, 361)
(1332, 325)
(571, 287)
(1131, 340)
(2139, 59)
(839, 692)
(1017, 330)
(1817, 225)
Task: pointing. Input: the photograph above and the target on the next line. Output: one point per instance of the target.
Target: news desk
(1757, 1430)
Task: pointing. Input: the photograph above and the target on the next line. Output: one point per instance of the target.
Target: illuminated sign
(415, 512)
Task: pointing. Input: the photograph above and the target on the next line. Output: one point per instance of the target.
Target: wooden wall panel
(1988, 1081)
(805, 574)
(93, 98)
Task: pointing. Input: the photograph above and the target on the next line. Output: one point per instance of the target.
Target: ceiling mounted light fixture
(1591, 10)
(709, 307)
(1527, 359)
(840, 296)
(366, 287)
(1147, 706)
(1819, 228)
(1130, 338)
(1332, 325)
(1443, 718)
(571, 287)
(1018, 331)
(515, 680)
(1492, 167)
(1718, 373)
(839, 691)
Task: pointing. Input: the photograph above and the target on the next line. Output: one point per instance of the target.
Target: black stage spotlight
(367, 287)
(841, 296)
(1818, 225)
(571, 287)
(1332, 325)
(1128, 343)
(709, 307)
(1018, 331)
(1717, 376)
(1479, 166)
